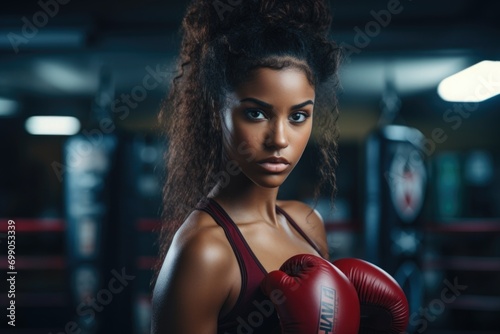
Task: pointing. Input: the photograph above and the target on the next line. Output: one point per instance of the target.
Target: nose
(277, 136)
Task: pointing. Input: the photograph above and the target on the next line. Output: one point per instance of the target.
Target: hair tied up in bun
(307, 15)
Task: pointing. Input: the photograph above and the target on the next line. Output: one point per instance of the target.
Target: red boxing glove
(312, 297)
(384, 308)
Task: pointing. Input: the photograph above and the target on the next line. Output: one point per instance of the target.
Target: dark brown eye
(299, 117)
(254, 114)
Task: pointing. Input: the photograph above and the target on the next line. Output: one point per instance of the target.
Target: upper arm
(311, 222)
(191, 289)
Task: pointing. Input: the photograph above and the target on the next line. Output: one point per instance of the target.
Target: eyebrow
(270, 106)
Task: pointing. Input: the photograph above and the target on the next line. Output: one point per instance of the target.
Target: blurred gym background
(418, 175)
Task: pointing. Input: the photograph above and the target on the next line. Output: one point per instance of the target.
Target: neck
(244, 201)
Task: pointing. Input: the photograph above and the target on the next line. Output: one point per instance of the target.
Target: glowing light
(474, 84)
(52, 125)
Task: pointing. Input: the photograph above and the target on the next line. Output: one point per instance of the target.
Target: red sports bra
(253, 311)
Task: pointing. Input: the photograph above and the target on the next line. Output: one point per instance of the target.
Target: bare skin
(200, 279)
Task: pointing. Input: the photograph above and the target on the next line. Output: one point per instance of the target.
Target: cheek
(228, 133)
(300, 139)
(308, 134)
(233, 135)
(240, 140)
(248, 134)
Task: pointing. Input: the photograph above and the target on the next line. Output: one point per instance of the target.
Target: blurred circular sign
(407, 179)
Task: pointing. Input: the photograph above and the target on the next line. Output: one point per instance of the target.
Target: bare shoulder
(196, 265)
(200, 241)
(309, 220)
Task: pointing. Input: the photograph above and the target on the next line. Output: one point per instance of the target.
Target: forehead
(288, 84)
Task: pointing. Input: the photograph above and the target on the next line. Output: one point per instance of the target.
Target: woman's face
(269, 117)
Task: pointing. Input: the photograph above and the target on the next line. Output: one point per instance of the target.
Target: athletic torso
(258, 248)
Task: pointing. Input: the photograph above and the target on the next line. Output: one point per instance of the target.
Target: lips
(275, 160)
(274, 164)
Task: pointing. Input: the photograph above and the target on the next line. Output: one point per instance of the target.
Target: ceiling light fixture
(52, 125)
(473, 84)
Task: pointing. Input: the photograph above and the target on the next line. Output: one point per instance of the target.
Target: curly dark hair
(222, 43)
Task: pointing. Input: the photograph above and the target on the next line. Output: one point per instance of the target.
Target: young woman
(257, 79)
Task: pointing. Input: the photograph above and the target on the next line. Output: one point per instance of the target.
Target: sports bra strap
(297, 227)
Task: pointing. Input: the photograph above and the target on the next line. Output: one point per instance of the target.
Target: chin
(270, 181)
